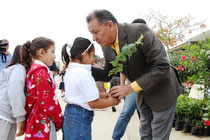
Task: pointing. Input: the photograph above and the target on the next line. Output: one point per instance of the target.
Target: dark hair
(139, 20)
(16, 57)
(79, 46)
(53, 67)
(102, 15)
(29, 50)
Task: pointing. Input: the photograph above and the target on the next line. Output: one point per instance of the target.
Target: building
(191, 41)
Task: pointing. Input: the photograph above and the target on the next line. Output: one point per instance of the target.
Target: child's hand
(115, 101)
(21, 126)
(104, 95)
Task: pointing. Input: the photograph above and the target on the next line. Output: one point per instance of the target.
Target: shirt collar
(116, 40)
(115, 45)
(41, 63)
(85, 66)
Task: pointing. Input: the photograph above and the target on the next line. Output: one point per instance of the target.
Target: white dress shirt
(80, 86)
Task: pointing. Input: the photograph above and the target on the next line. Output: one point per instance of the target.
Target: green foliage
(206, 115)
(126, 53)
(193, 64)
(175, 60)
(180, 106)
(190, 109)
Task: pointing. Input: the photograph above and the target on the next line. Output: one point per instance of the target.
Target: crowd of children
(28, 101)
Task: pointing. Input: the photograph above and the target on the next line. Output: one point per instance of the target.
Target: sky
(64, 20)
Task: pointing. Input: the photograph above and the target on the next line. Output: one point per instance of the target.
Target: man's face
(102, 33)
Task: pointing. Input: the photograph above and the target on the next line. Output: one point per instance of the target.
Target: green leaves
(196, 65)
(126, 52)
(189, 108)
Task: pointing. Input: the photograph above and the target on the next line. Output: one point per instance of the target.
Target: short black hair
(53, 67)
(139, 20)
(102, 15)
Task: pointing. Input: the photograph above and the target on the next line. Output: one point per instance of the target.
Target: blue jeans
(77, 123)
(125, 116)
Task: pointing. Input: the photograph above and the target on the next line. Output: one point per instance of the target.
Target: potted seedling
(206, 119)
(180, 110)
(195, 129)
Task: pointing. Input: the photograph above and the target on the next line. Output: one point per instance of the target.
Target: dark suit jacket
(149, 67)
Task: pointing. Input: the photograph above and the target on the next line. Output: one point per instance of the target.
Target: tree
(172, 30)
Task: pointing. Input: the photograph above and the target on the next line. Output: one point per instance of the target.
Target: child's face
(89, 58)
(49, 56)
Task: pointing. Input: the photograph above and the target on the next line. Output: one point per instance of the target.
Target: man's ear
(40, 52)
(110, 23)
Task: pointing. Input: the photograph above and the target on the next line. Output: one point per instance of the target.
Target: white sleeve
(16, 94)
(88, 87)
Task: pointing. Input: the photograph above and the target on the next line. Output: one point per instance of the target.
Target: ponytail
(65, 56)
(25, 55)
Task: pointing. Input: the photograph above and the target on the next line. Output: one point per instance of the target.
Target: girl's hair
(80, 45)
(16, 57)
(29, 50)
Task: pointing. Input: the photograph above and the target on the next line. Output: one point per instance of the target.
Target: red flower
(180, 51)
(177, 69)
(187, 82)
(207, 123)
(183, 58)
(180, 68)
(194, 59)
(192, 84)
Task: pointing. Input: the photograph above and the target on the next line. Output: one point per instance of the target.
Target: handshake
(105, 95)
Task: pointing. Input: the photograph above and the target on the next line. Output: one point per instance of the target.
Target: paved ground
(105, 119)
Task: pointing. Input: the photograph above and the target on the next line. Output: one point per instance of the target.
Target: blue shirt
(2, 63)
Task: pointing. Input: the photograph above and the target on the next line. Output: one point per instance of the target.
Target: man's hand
(21, 128)
(121, 91)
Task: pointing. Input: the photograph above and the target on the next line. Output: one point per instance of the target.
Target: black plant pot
(200, 131)
(179, 125)
(207, 131)
(187, 128)
(174, 122)
(194, 131)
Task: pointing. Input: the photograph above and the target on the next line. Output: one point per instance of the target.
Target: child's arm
(16, 94)
(91, 93)
(104, 95)
(47, 98)
(103, 103)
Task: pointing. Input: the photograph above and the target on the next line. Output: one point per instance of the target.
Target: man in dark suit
(152, 77)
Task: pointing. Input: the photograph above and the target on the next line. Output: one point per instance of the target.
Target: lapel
(122, 36)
